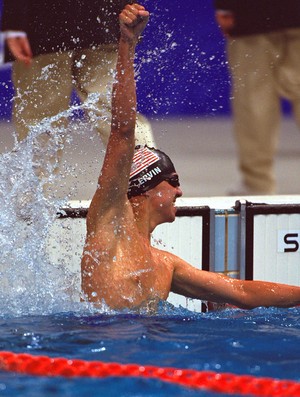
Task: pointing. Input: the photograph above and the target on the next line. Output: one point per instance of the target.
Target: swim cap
(149, 167)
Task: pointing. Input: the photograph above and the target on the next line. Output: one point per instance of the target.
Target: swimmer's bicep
(113, 180)
(186, 279)
(104, 217)
(199, 284)
(111, 192)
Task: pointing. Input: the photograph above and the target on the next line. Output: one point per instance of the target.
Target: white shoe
(241, 189)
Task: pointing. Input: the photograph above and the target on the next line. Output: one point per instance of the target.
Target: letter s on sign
(291, 240)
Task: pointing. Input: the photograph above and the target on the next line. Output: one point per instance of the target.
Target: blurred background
(184, 89)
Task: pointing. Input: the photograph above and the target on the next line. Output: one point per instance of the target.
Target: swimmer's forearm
(218, 288)
(263, 293)
(124, 91)
(133, 20)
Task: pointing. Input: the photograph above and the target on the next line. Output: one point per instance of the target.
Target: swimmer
(136, 191)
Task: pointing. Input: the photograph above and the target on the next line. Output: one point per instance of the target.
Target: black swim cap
(149, 167)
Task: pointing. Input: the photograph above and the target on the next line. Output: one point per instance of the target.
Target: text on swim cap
(149, 175)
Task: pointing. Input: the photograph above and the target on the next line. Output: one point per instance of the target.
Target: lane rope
(213, 381)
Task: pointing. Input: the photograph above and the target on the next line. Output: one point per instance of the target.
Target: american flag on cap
(142, 159)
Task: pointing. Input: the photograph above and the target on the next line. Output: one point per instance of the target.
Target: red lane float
(209, 380)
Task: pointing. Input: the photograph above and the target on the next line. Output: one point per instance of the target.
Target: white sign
(288, 241)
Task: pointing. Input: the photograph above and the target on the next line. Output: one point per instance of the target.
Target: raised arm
(246, 294)
(111, 193)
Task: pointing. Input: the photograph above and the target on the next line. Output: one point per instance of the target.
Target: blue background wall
(183, 65)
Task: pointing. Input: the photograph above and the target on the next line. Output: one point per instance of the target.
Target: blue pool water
(262, 342)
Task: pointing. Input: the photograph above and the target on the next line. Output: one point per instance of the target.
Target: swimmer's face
(163, 198)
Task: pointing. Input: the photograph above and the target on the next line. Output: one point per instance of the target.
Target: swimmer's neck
(142, 216)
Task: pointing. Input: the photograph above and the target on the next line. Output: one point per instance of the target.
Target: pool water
(261, 342)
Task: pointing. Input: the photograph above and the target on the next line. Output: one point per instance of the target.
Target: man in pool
(136, 192)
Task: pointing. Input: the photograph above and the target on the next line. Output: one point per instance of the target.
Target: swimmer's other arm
(246, 294)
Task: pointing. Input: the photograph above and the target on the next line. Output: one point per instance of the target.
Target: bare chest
(127, 272)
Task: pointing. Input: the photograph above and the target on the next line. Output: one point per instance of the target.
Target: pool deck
(202, 149)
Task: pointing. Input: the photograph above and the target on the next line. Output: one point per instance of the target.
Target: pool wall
(254, 238)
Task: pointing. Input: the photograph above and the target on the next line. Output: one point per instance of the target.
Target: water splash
(30, 282)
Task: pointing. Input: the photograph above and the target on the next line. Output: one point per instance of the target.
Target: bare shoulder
(168, 259)
(185, 277)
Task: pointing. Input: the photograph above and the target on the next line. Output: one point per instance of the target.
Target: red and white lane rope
(209, 380)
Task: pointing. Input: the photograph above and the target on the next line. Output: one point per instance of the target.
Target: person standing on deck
(57, 46)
